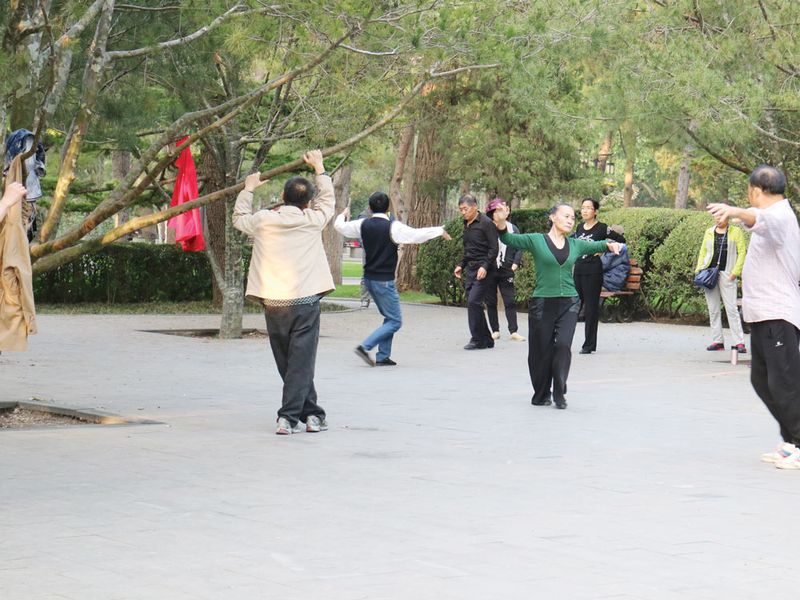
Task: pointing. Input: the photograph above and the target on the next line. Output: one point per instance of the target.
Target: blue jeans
(384, 293)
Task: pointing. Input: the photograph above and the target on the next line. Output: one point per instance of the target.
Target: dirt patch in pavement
(21, 418)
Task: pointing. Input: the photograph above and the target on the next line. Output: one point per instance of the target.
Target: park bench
(624, 310)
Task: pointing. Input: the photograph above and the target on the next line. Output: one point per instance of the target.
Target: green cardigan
(552, 279)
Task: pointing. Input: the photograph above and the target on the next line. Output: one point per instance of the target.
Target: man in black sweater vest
(380, 236)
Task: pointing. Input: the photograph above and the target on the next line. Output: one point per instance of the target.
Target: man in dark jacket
(478, 263)
(502, 280)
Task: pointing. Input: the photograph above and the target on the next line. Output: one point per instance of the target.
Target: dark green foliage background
(437, 259)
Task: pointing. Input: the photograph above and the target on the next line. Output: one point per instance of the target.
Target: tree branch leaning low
(61, 256)
(132, 186)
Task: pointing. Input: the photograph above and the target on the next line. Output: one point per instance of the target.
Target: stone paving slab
(437, 478)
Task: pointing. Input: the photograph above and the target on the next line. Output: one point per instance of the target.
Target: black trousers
(775, 373)
(293, 337)
(502, 280)
(475, 292)
(551, 323)
(589, 286)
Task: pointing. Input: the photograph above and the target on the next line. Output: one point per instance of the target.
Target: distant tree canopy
(659, 102)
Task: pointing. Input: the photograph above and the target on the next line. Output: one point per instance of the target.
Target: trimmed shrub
(437, 259)
(128, 273)
(670, 289)
(530, 220)
(645, 229)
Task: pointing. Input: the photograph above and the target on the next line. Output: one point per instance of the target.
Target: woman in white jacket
(725, 245)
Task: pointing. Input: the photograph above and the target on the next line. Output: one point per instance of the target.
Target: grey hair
(468, 199)
(556, 206)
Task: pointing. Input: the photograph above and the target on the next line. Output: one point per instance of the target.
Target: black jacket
(480, 244)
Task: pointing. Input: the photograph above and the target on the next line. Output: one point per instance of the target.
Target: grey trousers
(724, 293)
(293, 337)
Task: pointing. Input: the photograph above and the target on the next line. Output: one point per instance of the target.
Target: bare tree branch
(760, 129)
(236, 11)
(128, 189)
(73, 32)
(61, 252)
(136, 7)
(370, 52)
(728, 162)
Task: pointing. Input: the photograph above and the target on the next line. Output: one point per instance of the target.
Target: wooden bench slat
(632, 282)
(612, 294)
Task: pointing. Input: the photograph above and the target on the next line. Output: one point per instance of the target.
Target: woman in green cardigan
(553, 309)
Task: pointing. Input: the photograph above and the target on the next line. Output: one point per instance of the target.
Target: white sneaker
(495, 335)
(782, 451)
(284, 428)
(314, 424)
(790, 462)
(517, 337)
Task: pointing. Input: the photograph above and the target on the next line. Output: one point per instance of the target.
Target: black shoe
(386, 362)
(545, 402)
(362, 353)
(476, 346)
(585, 351)
(561, 404)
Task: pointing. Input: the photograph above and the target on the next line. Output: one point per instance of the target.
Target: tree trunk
(682, 194)
(427, 200)
(629, 146)
(215, 220)
(28, 58)
(120, 165)
(224, 244)
(331, 240)
(230, 326)
(92, 78)
(399, 209)
(605, 151)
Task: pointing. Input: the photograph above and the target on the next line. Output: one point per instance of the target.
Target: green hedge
(437, 259)
(128, 273)
(669, 289)
(645, 229)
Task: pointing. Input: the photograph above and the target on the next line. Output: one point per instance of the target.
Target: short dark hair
(594, 202)
(379, 202)
(298, 191)
(769, 179)
(468, 199)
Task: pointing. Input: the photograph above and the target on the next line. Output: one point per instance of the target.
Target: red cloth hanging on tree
(189, 225)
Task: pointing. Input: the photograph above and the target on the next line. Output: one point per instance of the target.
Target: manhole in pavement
(26, 415)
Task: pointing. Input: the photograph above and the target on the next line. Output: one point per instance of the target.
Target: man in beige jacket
(288, 275)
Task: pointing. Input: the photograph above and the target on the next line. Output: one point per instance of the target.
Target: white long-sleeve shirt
(400, 232)
(771, 273)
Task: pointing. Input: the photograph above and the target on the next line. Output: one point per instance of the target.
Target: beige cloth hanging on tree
(17, 311)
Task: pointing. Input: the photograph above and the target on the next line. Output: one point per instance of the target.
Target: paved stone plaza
(436, 480)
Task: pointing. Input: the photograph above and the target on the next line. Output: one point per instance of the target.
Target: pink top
(771, 275)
